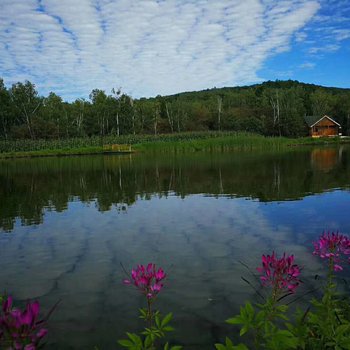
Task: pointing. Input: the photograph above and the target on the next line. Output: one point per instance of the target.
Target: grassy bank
(52, 153)
(94, 141)
(65, 152)
(220, 143)
(234, 142)
(167, 143)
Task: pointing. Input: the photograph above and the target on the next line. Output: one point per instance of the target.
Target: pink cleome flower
(332, 246)
(282, 274)
(147, 279)
(21, 328)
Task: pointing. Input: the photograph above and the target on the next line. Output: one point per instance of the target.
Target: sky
(162, 47)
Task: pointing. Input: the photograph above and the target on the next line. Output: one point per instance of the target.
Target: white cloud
(341, 34)
(300, 36)
(307, 65)
(324, 49)
(329, 28)
(148, 47)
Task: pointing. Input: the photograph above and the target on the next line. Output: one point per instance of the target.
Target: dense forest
(271, 108)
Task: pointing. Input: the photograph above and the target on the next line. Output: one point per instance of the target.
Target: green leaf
(249, 309)
(126, 343)
(228, 342)
(244, 330)
(229, 346)
(282, 308)
(153, 337)
(345, 328)
(260, 316)
(167, 319)
(148, 341)
(240, 347)
(158, 334)
(176, 347)
(143, 313)
(282, 316)
(283, 339)
(136, 339)
(157, 321)
(235, 320)
(147, 331)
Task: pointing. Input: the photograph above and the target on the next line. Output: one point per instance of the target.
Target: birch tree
(25, 98)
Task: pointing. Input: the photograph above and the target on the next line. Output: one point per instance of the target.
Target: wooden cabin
(322, 126)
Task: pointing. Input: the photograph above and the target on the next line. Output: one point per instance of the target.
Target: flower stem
(330, 273)
(149, 312)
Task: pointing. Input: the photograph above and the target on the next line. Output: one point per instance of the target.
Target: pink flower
(7, 304)
(147, 279)
(30, 347)
(281, 274)
(21, 328)
(332, 246)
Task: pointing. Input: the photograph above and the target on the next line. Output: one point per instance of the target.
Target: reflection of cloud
(199, 240)
(73, 47)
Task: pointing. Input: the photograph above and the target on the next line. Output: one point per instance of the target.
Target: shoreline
(210, 144)
(59, 153)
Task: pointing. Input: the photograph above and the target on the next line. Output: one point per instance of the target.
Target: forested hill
(259, 88)
(270, 108)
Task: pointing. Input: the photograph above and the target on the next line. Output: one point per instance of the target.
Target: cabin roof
(311, 120)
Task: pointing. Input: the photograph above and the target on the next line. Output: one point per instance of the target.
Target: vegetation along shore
(162, 143)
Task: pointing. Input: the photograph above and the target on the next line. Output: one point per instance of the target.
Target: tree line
(271, 108)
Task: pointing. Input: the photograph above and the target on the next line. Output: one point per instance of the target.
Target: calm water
(66, 224)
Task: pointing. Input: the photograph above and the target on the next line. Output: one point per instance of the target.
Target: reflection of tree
(30, 187)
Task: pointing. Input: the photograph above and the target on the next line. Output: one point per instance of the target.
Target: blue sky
(151, 47)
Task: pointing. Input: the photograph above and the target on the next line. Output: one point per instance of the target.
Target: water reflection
(326, 159)
(96, 212)
(30, 188)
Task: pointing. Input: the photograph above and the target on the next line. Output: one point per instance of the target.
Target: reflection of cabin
(325, 159)
(322, 126)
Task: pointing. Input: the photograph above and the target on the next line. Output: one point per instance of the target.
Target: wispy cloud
(300, 36)
(324, 49)
(341, 34)
(307, 65)
(330, 27)
(147, 47)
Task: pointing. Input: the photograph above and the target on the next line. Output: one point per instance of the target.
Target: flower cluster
(21, 330)
(282, 274)
(332, 246)
(147, 279)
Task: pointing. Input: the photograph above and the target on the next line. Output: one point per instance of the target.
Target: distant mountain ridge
(276, 84)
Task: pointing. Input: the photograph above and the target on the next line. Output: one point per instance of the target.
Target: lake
(68, 224)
